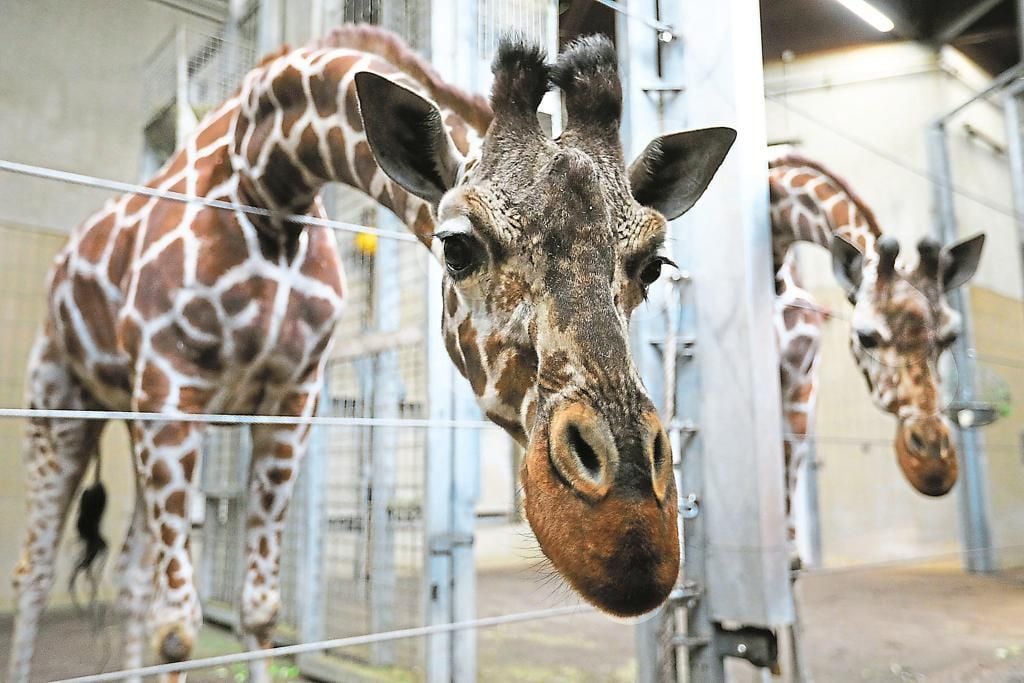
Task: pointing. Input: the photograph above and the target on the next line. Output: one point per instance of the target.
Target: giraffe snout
(601, 499)
(926, 455)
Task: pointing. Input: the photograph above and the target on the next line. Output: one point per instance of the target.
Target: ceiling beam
(954, 28)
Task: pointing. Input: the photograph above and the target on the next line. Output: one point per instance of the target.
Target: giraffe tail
(91, 506)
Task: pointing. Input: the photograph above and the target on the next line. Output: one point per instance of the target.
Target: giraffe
(158, 306)
(162, 307)
(798, 323)
(548, 247)
(901, 321)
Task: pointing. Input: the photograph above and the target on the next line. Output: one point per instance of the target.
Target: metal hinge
(443, 544)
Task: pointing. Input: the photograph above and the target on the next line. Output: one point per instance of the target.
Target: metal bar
(739, 414)
(194, 11)
(964, 21)
(1015, 150)
(666, 32)
(437, 569)
(1012, 112)
(384, 442)
(1020, 28)
(311, 589)
(185, 118)
(132, 188)
(998, 83)
(270, 30)
(642, 116)
(973, 503)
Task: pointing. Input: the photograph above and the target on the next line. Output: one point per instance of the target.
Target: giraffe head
(548, 246)
(900, 326)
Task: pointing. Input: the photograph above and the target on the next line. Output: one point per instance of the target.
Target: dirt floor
(894, 624)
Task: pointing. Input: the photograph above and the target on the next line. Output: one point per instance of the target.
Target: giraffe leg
(57, 455)
(135, 585)
(166, 455)
(277, 454)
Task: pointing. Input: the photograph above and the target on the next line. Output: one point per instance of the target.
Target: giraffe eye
(652, 271)
(947, 340)
(868, 339)
(461, 254)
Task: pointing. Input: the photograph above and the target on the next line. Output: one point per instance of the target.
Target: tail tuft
(91, 506)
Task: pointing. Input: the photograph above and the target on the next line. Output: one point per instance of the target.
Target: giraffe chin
(929, 475)
(620, 552)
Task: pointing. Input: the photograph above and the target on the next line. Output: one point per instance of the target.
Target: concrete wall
(863, 112)
(71, 84)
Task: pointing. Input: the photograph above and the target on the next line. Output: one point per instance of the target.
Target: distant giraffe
(798, 329)
(163, 307)
(901, 320)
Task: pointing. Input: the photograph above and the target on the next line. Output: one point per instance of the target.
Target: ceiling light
(869, 14)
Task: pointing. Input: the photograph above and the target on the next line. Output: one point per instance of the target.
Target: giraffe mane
(796, 160)
(473, 109)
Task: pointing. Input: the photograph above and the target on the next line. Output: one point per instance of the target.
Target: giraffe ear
(847, 264)
(673, 171)
(407, 136)
(959, 261)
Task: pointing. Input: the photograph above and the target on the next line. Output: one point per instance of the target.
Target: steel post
(453, 455)
(270, 30)
(972, 496)
(386, 380)
(1012, 110)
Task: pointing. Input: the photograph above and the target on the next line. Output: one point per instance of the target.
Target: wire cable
(319, 646)
(132, 188)
(225, 419)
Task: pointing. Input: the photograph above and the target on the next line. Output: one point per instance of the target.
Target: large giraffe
(901, 320)
(164, 307)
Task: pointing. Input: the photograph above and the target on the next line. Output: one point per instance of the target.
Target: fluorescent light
(869, 14)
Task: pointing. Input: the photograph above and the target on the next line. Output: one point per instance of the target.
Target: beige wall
(864, 112)
(71, 78)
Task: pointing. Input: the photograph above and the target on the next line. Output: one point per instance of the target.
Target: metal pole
(728, 244)
(973, 504)
(311, 587)
(270, 31)
(1015, 150)
(997, 84)
(386, 381)
(453, 455)
(1020, 28)
(642, 118)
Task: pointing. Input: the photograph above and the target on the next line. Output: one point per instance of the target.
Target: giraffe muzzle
(926, 455)
(603, 507)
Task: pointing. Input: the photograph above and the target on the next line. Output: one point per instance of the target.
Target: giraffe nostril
(660, 452)
(916, 442)
(585, 453)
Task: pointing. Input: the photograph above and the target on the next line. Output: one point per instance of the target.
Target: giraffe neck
(811, 204)
(299, 128)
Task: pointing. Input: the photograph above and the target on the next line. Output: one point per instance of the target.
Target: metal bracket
(684, 346)
(689, 642)
(444, 544)
(662, 89)
(759, 646)
(686, 595)
(689, 508)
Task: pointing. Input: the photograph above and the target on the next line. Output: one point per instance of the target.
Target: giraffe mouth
(927, 459)
(616, 545)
